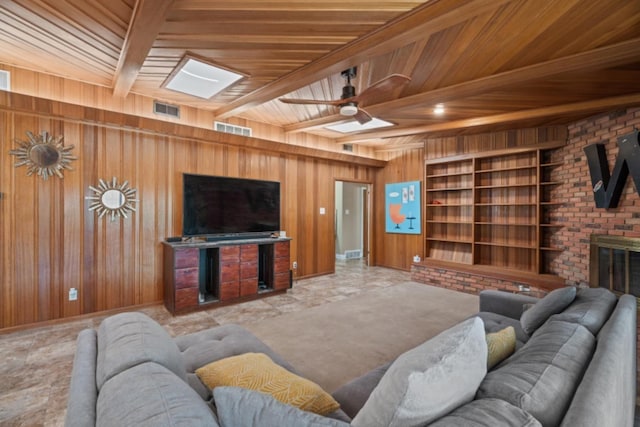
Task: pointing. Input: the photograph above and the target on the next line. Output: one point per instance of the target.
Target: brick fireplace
(615, 263)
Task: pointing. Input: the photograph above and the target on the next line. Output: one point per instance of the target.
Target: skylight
(199, 79)
(354, 126)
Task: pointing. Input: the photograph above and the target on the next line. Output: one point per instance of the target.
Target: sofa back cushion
(353, 395)
(543, 375)
(129, 339)
(591, 308)
(203, 347)
(150, 395)
(553, 303)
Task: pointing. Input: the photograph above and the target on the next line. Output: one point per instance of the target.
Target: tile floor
(36, 364)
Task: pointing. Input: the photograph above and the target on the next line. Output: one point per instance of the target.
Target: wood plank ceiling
(493, 64)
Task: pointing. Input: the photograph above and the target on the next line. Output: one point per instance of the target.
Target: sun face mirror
(44, 155)
(112, 199)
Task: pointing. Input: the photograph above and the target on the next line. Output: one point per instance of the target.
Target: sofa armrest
(83, 392)
(606, 396)
(505, 303)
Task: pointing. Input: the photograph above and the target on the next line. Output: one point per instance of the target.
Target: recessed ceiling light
(439, 109)
(354, 126)
(200, 79)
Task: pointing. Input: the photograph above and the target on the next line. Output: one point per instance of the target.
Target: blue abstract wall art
(403, 208)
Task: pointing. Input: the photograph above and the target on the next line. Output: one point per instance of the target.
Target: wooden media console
(198, 275)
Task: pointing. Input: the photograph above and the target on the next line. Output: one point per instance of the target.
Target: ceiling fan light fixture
(349, 109)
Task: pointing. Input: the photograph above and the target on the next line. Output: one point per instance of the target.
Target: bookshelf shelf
(492, 209)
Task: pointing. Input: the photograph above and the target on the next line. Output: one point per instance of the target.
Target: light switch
(322, 211)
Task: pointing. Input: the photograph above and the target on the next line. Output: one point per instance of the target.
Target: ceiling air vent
(5, 80)
(227, 128)
(166, 109)
(347, 147)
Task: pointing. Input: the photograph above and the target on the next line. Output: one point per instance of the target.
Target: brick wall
(465, 282)
(578, 214)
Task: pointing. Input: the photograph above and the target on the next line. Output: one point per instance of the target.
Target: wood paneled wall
(503, 140)
(390, 249)
(57, 88)
(51, 243)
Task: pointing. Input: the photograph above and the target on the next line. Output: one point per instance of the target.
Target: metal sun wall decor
(44, 155)
(402, 208)
(112, 199)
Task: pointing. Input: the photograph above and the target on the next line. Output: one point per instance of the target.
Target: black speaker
(174, 239)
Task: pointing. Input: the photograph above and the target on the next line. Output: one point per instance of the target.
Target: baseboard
(62, 320)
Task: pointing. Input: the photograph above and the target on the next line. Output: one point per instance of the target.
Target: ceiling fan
(349, 101)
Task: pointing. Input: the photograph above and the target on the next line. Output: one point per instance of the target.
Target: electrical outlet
(73, 294)
(295, 265)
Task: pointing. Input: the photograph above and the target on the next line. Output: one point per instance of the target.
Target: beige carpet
(336, 342)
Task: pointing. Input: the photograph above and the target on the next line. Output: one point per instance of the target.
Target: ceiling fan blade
(310, 101)
(382, 89)
(362, 116)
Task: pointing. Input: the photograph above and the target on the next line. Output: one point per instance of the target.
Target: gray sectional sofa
(574, 365)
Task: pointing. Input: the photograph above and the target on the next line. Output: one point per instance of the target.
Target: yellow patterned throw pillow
(256, 371)
(500, 345)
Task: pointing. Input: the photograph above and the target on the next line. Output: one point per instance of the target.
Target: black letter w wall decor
(608, 188)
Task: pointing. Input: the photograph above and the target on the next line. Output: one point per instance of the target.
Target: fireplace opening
(615, 263)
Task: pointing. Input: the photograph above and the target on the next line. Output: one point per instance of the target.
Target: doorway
(352, 219)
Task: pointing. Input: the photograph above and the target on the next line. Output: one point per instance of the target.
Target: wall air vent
(347, 147)
(166, 109)
(5, 80)
(227, 128)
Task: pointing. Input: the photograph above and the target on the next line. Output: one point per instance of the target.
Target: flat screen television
(217, 205)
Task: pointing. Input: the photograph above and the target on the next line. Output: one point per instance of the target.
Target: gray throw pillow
(554, 302)
(430, 380)
(241, 407)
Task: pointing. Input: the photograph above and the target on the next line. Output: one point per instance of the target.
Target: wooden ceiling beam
(585, 107)
(147, 19)
(605, 57)
(426, 19)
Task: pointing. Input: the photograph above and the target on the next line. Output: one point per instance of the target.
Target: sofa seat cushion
(129, 339)
(201, 348)
(150, 395)
(241, 407)
(591, 308)
(487, 413)
(554, 302)
(496, 322)
(429, 380)
(543, 375)
(256, 371)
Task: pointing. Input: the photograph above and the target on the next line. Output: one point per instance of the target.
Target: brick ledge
(542, 281)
